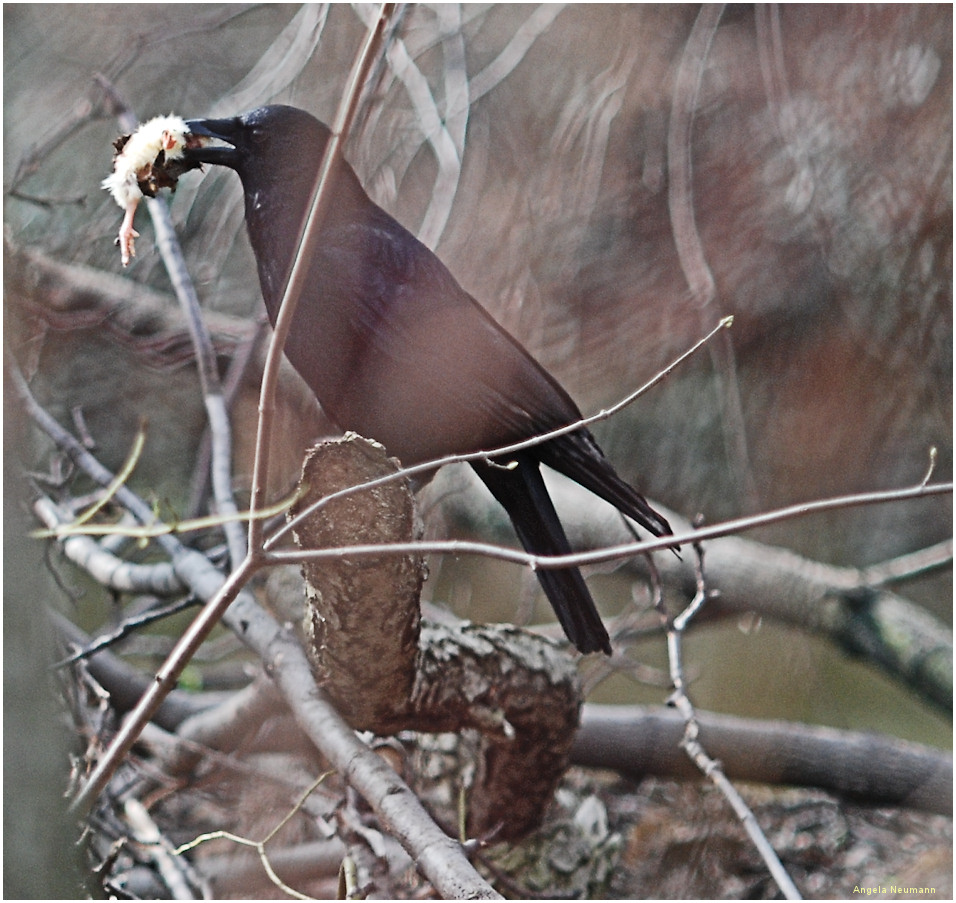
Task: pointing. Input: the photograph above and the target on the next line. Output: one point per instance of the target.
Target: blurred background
(609, 181)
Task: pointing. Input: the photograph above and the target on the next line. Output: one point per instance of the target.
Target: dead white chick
(140, 169)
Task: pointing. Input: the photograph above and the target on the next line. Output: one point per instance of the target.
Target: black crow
(397, 351)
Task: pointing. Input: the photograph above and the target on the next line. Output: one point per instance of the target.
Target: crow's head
(265, 146)
(276, 151)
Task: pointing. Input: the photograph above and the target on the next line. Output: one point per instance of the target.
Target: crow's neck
(275, 216)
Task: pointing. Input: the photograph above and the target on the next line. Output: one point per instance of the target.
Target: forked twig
(695, 749)
(260, 845)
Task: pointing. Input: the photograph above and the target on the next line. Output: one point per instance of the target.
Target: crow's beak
(221, 130)
(212, 128)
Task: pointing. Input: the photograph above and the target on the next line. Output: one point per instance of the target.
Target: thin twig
(503, 451)
(239, 362)
(129, 625)
(611, 553)
(122, 475)
(159, 528)
(695, 750)
(260, 845)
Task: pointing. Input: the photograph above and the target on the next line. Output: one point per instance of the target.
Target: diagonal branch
(305, 252)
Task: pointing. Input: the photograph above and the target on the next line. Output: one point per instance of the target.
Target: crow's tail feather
(521, 491)
(577, 455)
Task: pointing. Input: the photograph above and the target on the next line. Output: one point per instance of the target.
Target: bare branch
(128, 626)
(892, 633)
(122, 576)
(881, 770)
(125, 683)
(906, 567)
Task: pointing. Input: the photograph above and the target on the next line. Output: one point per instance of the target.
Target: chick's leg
(127, 233)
